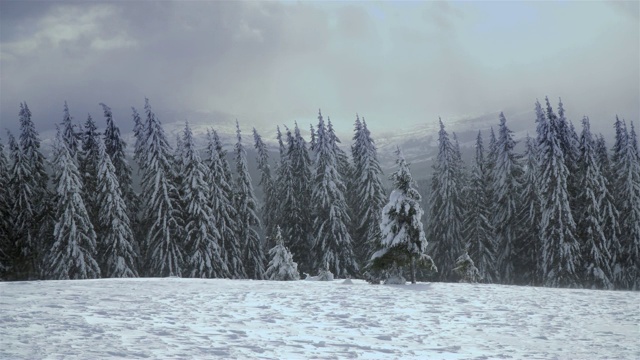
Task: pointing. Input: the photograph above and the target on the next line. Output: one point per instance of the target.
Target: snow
(199, 318)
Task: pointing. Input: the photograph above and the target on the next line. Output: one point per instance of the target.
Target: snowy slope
(193, 318)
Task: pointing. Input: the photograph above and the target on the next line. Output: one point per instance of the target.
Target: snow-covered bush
(281, 267)
(394, 277)
(324, 274)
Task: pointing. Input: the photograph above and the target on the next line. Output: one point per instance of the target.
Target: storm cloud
(267, 63)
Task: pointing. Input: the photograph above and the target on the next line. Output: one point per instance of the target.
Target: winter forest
(564, 213)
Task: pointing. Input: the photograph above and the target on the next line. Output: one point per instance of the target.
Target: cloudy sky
(266, 63)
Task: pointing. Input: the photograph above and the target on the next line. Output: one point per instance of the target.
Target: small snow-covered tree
(333, 244)
(203, 244)
(69, 135)
(478, 231)
(115, 238)
(164, 238)
(369, 193)
(403, 240)
(466, 269)
(248, 221)
(281, 266)
(72, 255)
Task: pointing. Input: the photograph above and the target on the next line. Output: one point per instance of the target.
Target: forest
(564, 213)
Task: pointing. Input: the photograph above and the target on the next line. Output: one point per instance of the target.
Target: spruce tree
(402, 241)
(116, 249)
(333, 244)
(248, 220)
(69, 134)
(446, 209)
(72, 255)
(281, 265)
(369, 194)
(40, 218)
(506, 188)
(223, 207)
(560, 248)
(88, 167)
(527, 248)
(596, 259)
(140, 134)
(6, 237)
(478, 232)
(203, 245)
(164, 239)
(268, 188)
(626, 169)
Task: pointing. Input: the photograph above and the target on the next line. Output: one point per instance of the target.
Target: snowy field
(192, 318)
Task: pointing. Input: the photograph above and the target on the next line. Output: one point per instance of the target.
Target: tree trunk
(413, 270)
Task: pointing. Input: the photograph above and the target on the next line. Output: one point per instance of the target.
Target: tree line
(564, 213)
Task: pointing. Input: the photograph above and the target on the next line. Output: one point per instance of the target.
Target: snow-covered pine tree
(560, 248)
(140, 134)
(164, 237)
(596, 259)
(506, 188)
(117, 255)
(72, 255)
(282, 185)
(369, 194)
(248, 220)
(402, 241)
(295, 214)
(478, 231)
(333, 244)
(312, 142)
(6, 237)
(345, 169)
(466, 269)
(226, 213)
(626, 169)
(281, 266)
(115, 147)
(88, 167)
(569, 143)
(70, 135)
(203, 245)
(527, 248)
(270, 202)
(42, 221)
(446, 209)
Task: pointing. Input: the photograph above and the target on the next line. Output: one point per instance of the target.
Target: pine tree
(560, 249)
(72, 255)
(115, 147)
(87, 165)
(140, 134)
(248, 220)
(478, 231)
(505, 191)
(369, 194)
(527, 248)
(596, 259)
(281, 266)
(69, 135)
(6, 237)
(40, 217)
(203, 246)
(402, 240)
(115, 239)
(268, 188)
(626, 168)
(164, 240)
(446, 209)
(225, 213)
(295, 213)
(333, 244)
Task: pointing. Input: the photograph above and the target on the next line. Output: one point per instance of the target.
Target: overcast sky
(265, 63)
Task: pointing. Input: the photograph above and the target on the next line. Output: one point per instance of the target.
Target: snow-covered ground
(192, 318)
